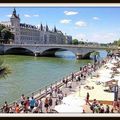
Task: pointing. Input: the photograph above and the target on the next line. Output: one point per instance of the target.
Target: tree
(95, 55)
(81, 42)
(6, 35)
(75, 41)
(116, 42)
(1, 28)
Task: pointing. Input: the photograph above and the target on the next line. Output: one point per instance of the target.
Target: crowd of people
(32, 105)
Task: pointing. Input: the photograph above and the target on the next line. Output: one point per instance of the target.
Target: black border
(60, 1)
(50, 2)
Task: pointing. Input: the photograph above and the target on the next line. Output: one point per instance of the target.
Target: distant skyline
(92, 24)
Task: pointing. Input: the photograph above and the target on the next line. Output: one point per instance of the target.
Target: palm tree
(4, 70)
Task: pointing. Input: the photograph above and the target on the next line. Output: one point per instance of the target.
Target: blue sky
(94, 24)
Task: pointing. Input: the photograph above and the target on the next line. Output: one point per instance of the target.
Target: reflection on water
(30, 73)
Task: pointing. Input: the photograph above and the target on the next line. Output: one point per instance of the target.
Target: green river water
(29, 73)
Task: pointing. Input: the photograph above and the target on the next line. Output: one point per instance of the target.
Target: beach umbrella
(110, 65)
(65, 108)
(73, 100)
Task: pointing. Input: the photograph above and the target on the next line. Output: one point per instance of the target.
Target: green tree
(81, 42)
(1, 28)
(6, 35)
(75, 41)
(116, 42)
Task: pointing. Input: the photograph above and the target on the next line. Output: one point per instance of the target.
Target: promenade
(64, 93)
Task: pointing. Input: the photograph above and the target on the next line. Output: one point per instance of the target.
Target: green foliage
(4, 70)
(81, 42)
(75, 41)
(116, 42)
(95, 53)
(5, 34)
(1, 28)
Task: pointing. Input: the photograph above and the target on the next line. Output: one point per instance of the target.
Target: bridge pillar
(36, 54)
(79, 56)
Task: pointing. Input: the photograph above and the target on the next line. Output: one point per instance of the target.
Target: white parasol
(65, 108)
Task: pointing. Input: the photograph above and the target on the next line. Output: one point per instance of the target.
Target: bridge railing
(66, 45)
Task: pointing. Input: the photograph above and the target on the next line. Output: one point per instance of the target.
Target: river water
(29, 73)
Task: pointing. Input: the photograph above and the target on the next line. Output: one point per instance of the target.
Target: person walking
(22, 99)
(32, 103)
(46, 104)
(50, 103)
(40, 105)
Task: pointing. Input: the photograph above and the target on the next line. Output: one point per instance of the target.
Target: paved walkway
(65, 90)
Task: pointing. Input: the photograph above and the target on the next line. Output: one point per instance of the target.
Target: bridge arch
(87, 55)
(50, 52)
(19, 51)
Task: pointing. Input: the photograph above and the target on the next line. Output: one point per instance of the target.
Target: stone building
(30, 34)
(68, 39)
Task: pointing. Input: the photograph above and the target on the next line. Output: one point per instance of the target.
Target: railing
(42, 92)
(65, 45)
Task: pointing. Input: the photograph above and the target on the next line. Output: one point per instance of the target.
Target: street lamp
(115, 90)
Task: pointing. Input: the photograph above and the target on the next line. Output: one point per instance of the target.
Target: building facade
(68, 39)
(29, 34)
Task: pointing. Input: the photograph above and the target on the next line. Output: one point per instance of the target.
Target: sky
(89, 24)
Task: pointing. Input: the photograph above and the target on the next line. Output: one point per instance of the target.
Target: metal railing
(41, 92)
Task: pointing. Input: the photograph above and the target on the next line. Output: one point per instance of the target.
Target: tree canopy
(116, 42)
(75, 41)
(5, 34)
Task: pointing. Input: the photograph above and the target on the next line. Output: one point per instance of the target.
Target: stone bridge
(81, 51)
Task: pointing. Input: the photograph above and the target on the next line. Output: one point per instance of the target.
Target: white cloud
(38, 25)
(65, 21)
(70, 12)
(81, 24)
(96, 18)
(36, 15)
(104, 37)
(9, 15)
(26, 15)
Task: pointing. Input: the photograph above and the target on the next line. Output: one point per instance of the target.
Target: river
(29, 73)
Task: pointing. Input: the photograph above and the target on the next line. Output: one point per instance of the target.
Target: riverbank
(75, 89)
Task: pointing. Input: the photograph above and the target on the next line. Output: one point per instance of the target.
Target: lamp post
(115, 91)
